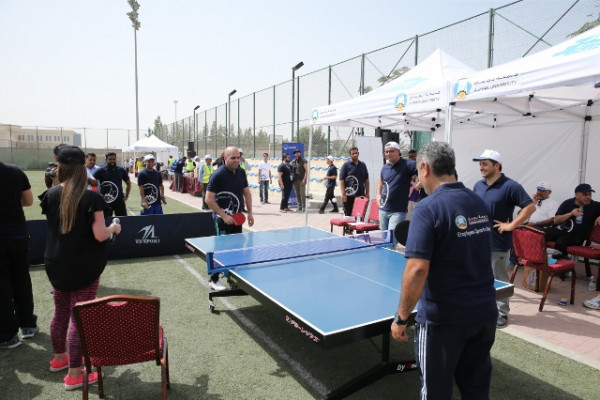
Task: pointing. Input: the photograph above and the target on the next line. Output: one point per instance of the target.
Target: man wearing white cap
(393, 186)
(330, 178)
(152, 191)
(545, 207)
(205, 172)
(502, 195)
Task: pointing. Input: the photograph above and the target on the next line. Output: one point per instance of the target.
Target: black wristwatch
(399, 321)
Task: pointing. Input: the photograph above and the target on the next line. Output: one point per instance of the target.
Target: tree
(158, 130)
(388, 78)
(586, 27)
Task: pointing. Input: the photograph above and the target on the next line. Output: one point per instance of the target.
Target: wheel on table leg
(211, 307)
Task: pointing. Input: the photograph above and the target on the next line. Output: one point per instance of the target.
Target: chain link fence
(261, 121)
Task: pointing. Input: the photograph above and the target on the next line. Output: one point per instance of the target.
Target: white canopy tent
(155, 145)
(415, 100)
(540, 112)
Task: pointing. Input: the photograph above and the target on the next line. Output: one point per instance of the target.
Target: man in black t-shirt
(152, 191)
(16, 295)
(111, 177)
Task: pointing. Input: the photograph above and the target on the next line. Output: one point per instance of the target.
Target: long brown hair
(73, 178)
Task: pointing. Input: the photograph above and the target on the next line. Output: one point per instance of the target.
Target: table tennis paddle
(401, 232)
(239, 219)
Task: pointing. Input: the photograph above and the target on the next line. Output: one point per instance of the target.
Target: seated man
(574, 219)
(545, 207)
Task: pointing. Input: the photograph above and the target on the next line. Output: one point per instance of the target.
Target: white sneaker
(593, 303)
(216, 286)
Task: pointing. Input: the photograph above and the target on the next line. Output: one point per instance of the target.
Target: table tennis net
(254, 256)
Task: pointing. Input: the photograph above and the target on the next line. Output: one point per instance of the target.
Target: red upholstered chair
(372, 224)
(529, 246)
(588, 252)
(118, 330)
(358, 209)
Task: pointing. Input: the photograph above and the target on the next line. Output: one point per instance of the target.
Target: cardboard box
(534, 279)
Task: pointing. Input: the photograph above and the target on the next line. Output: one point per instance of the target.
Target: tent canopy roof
(150, 143)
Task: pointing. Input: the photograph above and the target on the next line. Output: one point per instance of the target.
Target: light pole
(228, 116)
(175, 131)
(133, 16)
(294, 69)
(196, 127)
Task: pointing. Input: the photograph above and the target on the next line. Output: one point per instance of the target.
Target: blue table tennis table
(331, 298)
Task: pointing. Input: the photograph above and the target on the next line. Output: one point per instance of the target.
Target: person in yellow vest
(245, 165)
(206, 170)
(139, 165)
(171, 161)
(190, 165)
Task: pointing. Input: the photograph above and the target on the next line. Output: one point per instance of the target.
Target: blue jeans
(264, 191)
(388, 220)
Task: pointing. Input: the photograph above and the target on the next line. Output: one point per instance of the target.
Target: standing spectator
(243, 163)
(330, 178)
(502, 195)
(16, 295)
(354, 180)
(190, 165)
(170, 161)
(545, 207)
(412, 155)
(75, 257)
(285, 182)
(152, 191)
(393, 186)
(139, 165)
(264, 179)
(299, 177)
(219, 161)
(90, 164)
(226, 188)
(448, 272)
(179, 173)
(111, 188)
(206, 171)
(574, 219)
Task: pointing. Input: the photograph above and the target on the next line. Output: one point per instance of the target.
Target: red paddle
(239, 219)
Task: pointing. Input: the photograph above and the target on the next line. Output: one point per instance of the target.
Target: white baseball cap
(489, 155)
(206, 157)
(330, 158)
(392, 145)
(240, 150)
(544, 185)
(149, 157)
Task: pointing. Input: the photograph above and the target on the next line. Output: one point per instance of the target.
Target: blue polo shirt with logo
(452, 229)
(228, 188)
(396, 184)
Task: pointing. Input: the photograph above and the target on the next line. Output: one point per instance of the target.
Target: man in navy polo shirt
(448, 272)
(502, 195)
(111, 187)
(354, 180)
(226, 189)
(393, 187)
(152, 191)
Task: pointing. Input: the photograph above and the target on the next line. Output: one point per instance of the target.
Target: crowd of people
(454, 294)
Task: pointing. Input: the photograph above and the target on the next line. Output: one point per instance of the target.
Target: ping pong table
(331, 298)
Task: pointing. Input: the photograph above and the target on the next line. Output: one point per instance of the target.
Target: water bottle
(342, 216)
(580, 217)
(592, 283)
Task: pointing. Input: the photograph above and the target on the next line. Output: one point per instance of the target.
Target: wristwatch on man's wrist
(399, 321)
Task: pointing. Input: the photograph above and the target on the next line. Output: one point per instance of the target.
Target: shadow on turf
(25, 375)
(333, 367)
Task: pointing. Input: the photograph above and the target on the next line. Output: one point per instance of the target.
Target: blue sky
(71, 62)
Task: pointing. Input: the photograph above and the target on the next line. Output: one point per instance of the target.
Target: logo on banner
(400, 101)
(585, 44)
(462, 89)
(148, 236)
(314, 115)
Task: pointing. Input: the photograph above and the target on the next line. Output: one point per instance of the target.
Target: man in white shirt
(545, 207)
(264, 179)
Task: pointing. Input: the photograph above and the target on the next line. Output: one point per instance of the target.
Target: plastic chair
(587, 252)
(119, 330)
(529, 246)
(359, 209)
(373, 222)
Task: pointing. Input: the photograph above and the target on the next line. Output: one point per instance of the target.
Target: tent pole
(449, 122)
(585, 133)
(310, 138)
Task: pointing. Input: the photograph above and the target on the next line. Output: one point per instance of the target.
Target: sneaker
(267, 202)
(29, 332)
(12, 343)
(56, 366)
(216, 286)
(321, 212)
(334, 211)
(593, 303)
(74, 383)
(502, 321)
